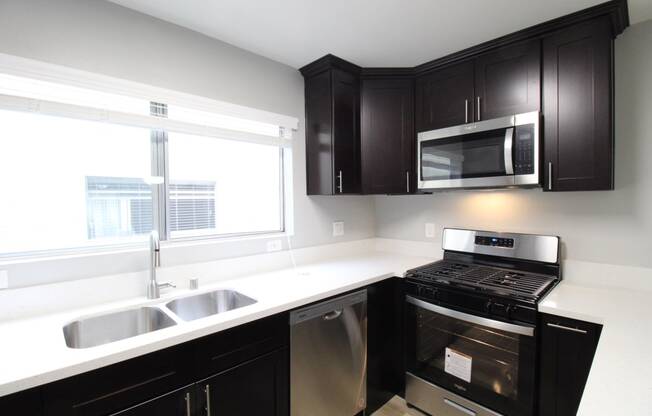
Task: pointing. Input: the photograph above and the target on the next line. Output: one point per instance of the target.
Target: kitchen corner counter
(619, 381)
(34, 351)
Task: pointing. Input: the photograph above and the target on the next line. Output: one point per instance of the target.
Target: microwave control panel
(524, 149)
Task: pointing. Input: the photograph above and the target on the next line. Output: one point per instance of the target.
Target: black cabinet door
(508, 81)
(176, 403)
(346, 132)
(577, 107)
(567, 349)
(444, 97)
(258, 387)
(387, 136)
(319, 146)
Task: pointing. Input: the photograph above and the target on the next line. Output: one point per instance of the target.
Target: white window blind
(67, 96)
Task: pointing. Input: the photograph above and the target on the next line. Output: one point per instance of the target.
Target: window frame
(12, 65)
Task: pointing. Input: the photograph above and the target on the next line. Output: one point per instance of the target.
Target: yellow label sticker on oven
(458, 364)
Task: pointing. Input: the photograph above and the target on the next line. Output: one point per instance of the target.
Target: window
(82, 168)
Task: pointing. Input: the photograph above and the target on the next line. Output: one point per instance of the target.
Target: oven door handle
(491, 323)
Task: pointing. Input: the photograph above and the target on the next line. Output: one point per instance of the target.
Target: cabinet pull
(478, 116)
(407, 181)
(466, 111)
(207, 392)
(339, 186)
(550, 176)
(187, 398)
(567, 328)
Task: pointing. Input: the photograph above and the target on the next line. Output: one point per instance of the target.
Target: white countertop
(619, 382)
(33, 350)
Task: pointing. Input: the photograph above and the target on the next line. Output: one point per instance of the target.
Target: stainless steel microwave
(502, 152)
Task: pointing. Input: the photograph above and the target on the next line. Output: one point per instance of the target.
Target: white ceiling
(366, 32)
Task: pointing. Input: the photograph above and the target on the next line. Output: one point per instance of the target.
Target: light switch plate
(274, 245)
(4, 279)
(338, 229)
(430, 230)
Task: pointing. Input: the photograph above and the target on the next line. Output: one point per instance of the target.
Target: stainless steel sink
(98, 330)
(207, 304)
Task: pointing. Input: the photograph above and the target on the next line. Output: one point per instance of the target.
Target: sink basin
(207, 304)
(98, 330)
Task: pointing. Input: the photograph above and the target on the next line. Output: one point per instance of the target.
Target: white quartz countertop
(34, 352)
(619, 382)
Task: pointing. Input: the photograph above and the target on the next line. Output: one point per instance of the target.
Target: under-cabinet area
(368, 208)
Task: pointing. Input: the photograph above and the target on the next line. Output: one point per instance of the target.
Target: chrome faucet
(153, 287)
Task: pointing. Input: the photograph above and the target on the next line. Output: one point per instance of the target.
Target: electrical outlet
(430, 230)
(338, 229)
(274, 245)
(4, 279)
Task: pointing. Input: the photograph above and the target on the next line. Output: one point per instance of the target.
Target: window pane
(70, 183)
(222, 186)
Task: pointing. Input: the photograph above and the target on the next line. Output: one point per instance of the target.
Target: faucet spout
(153, 287)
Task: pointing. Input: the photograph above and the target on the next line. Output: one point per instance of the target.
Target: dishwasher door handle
(332, 315)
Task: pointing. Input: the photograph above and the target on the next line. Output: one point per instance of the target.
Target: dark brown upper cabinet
(444, 97)
(499, 83)
(332, 94)
(578, 107)
(508, 81)
(387, 136)
(361, 123)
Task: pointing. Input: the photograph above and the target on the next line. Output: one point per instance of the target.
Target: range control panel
(494, 241)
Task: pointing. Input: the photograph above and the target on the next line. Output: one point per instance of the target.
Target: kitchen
(450, 220)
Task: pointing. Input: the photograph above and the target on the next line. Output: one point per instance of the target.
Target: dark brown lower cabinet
(245, 367)
(567, 348)
(256, 387)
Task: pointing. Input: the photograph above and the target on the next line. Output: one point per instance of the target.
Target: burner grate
(501, 281)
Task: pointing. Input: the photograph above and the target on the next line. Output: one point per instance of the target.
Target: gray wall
(608, 227)
(102, 37)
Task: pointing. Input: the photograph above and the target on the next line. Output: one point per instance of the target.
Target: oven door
(489, 362)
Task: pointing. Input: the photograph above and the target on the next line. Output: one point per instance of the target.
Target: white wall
(607, 227)
(101, 37)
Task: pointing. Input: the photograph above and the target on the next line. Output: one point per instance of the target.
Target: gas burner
(485, 278)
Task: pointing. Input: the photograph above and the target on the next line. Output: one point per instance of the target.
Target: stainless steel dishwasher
(328, 357)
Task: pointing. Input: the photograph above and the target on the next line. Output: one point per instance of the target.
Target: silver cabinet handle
(339, 178)
(567, 328)
(550, 176)
(459, 407)
(466, 111)
(478, 115)
(407, 181)
(187, 398)
(207, 392)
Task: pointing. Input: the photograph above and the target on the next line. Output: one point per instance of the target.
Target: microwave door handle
(509, 143)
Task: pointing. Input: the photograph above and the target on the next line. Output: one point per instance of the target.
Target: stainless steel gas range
(471, 323)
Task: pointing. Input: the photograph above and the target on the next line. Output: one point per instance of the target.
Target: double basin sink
(114, 326)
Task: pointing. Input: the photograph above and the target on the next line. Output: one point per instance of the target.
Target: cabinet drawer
(226, 349)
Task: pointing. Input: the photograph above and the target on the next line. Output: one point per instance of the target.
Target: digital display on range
(494, 241)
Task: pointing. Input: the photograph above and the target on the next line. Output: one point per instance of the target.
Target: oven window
(470, 156)
(493, 355)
